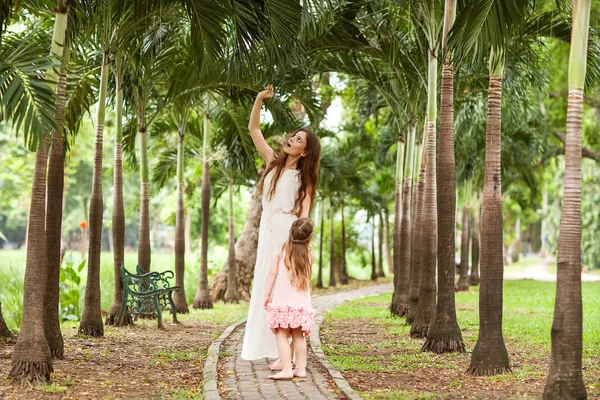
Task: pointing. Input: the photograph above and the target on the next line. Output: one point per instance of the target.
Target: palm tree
(474, 276)
(331, 243)
(463, 284)
(5, 333)
(321, 237)
(202, 298)
(373, 253)
(380, 273)
(565, 377)
(397, 221)
(231, 295)
(31, 358)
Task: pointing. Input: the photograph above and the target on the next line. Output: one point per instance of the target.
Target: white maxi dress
(275, 224)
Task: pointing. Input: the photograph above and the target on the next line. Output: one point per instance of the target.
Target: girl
(288, 187)
(289, 312)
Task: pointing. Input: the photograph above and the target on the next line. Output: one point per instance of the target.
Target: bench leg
(173, 308)
(158, 312)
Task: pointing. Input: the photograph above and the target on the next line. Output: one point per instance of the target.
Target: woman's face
(296, 144)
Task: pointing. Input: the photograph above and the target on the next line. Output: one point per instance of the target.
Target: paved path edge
(338, 378)
(210, 376)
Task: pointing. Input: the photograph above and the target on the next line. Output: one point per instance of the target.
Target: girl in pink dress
(289, 311)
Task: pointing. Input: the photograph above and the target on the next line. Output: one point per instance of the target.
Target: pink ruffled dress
(289, 308)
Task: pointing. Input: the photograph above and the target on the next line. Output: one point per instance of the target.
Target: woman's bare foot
(276, 365)
(282, 376)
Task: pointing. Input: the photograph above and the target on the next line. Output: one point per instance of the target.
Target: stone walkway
(247, 380)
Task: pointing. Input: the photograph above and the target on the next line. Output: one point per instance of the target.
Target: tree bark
(565, 380)
(397, 222)
(332, 247)
(144, 252)
(179, 297)
(54, 213)
(202, 298)
(188, 232)
(231, 295)
(118, 217)
(463, 284)
(474, 277)
(343, 269)
(91, 322)
(380, 273)
(5, 333)
(386, 242)
(321, 240)
(416, 254)
(245, 254)
(490, 356)
(373, 258)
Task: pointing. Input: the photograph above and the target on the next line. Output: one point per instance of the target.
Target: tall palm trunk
(402, 305)
(31, 359)
(179, 298)
(231, 295)
(202, 298)
(445, 335)
(474, 277)
(463, 284)
(386, 241)
(343, 269)
(91, 322)
(490, 356)
(118, 216)
(321, 240)
(5, 333)
(416, 258)
(397, 219)
(144, 253)
(332, 246)
(565, 376)
(426, 308)
(54, 213)
(380, 273)
(373, 258)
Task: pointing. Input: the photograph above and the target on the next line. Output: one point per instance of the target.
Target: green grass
(527, 319)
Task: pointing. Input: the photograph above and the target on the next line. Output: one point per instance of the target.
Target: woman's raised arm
(266, 152)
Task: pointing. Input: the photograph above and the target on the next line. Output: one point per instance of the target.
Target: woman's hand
(265, 94)
(266, 302)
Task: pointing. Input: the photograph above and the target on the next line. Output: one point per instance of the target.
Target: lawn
(376, 354)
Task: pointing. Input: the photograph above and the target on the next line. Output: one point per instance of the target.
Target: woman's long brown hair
(307, 165)
(298, 258)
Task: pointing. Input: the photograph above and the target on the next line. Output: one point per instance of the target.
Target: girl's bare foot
(276, 365)
(300, 374)
(282, 376)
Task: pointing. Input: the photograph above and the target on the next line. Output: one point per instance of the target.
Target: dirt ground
(381, 365)
(138, 362)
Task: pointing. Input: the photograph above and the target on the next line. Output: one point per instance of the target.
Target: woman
(288, 187)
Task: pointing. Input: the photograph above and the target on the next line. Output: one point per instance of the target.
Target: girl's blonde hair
(298, 258)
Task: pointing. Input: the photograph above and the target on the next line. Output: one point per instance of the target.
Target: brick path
(247, 380)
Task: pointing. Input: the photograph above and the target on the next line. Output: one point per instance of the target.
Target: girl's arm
(306, 203)
(266, 152)
(271, 279)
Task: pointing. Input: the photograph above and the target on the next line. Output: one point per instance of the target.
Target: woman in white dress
(288, 188)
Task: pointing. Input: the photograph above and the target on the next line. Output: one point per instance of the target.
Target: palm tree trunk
(565, 377)
(54, 213)
(373, 258)
(5, 333)
(474, 277)
(31, 358)
(380, 273)
(118, 217)
(386, 241)
(463, 284)
(188, 232)
(179, 297)
(344, 269)
(427, 305)
(397, 221)
(416, 254)
(91, 322)
(231, 295)
(402, 305)
(202, 298)
(245, 254)
(332, 246)
(321, 237)
(144, 253)
(490, 356)
(445, 335)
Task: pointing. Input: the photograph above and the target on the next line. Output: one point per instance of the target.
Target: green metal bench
(147, 293)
